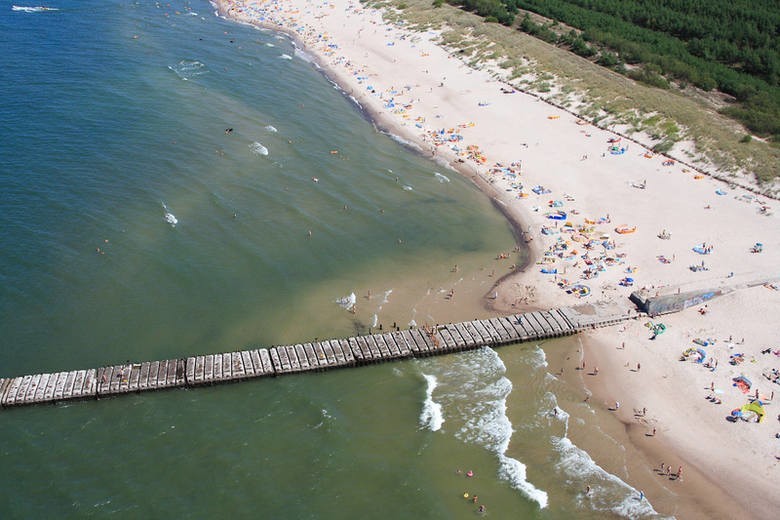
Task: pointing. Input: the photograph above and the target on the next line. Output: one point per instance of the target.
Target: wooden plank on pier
(376, 351)
(359, 349)
(556, 329)
(413, 348)
(564, 327)
(67, 391)
(320, 353)
(505, 336)
(262, 362)
(256, 355)
(181, 367)
(4, 384)
(175, 372)
(330, 356)
(387, 346)
(457, 336)
(311, 356)
(132, 383)
(78, 383)
(162, 374)
(480, 328)
(257, 363)
(531, 325)
(349, 357)
(449, 342)
(9, 399)
(276, 360)
(403, 343)
(346, 350)
(564, 318)
(227, 366)
(237, 364)
(494, 335)
(191, 363)
(478, 340)
(151, 379)
(544, 326)
(143, 378)
(35, 388)
(514, 328)
(59, 385)
(379, 349)
(424, 343)
(468, 339)
(303, 359)
(118, 373)
(511, 332)
(284, 359)
(217, 368)
(246, 361)
(90, 383)
(31, 388)
(265, 357)
(525, 322)
(200, 370)
(48, 393)
(295, 365)
(392, 344)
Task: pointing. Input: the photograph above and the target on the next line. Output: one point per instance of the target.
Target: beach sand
(509, 143)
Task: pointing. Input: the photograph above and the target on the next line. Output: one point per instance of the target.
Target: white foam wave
(305, 56)
(169, 217)
(405, 142)
(188, 69)
(386, 297)
(347, 302)
(607, 491)
(352, 98)
(285, 57)
(269, 44)
(374, 321)
(271, 128)
(431, 416)
(34, 9)
(539, 359)
(487, 423)
(441, 178)
(258, 149)
(408, 188)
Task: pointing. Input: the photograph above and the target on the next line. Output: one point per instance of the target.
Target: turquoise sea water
(135, 227)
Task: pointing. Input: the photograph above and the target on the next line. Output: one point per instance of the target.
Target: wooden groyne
(210, 369)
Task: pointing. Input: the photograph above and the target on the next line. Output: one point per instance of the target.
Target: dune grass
(599, 94)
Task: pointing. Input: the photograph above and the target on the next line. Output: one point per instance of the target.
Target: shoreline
(565, 157)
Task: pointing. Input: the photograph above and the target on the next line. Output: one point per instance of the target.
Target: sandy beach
(603, 216)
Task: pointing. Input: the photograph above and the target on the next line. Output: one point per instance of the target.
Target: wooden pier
(210, 369)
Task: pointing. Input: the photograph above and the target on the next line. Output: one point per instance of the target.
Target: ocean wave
(347, 302)
(405, 142)
(431, 416)
(258, 149)
(302, 54)
(271, 128)
(474, 393)
(607, 491)
(188, 69)
(285, 57)
(33, 9)
(441, 177)
(169, 217)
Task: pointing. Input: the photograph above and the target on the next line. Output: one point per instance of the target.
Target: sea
(173, 183)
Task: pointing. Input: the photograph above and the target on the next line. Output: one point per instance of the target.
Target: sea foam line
(492, 428)
(431, 416)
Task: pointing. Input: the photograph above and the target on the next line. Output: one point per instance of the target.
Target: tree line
(728, 45)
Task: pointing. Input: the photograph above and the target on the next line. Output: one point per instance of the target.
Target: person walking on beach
(679, 473)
